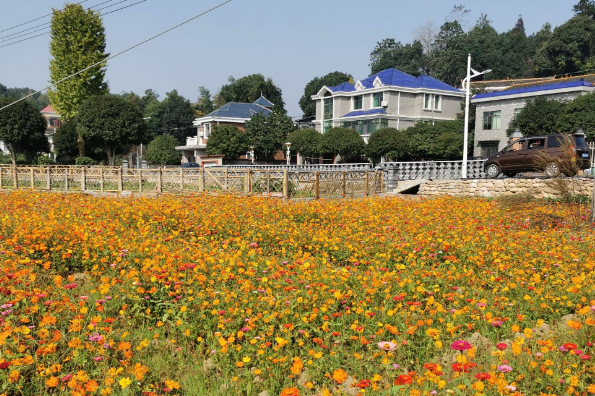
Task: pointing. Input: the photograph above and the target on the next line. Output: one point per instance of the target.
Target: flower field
(203, 295)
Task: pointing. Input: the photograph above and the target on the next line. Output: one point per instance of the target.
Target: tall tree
(448, 60)
(579, 114)
(204, 104)
(22, 129)
(248, 89)
(585, 8)
(111, 122)
(307, 105)
(176, 116)
(460, 15)
(151, 112)
(78, 41)
(66, 143)
(306, 142)
(538, 117)
(408, 58)
(162, 151)
(39, 100)
(267, 134)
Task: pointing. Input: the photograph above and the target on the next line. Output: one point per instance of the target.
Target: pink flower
(66, 378)
(460, 345)
(504, 368)
(98, 358)
(387, 345)
(497, 323)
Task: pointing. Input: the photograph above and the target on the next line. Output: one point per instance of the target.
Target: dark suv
(520, 155)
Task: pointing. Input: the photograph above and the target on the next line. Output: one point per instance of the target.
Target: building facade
(235, 114)
(390, 98)
(496, 110)
(54, 121)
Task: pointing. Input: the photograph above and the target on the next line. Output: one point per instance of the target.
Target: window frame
(374, 97)
(427, 105)
(327, 125)
(327, 102)
(358, 99)
(437, 106)
(488, 120)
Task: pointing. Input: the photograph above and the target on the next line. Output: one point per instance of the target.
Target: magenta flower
(387, 345)
(460, 346)
(504, 368)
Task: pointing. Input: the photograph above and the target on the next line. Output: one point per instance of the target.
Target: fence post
(15, 179)
(367, 182)
(32, 176)
(226, 181)
(317, 184)
(343, 183)
(1, 173)
(160, 180)
(83, 178)
(140, 180)
(285, 183)
(381, 181)
(268, 182)
(248, 186)
(48, 179)
(66, 181)
(182, 179)
(120, 180)
(101, 178)
(201, 179)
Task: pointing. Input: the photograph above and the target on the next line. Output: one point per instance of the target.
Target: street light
(467, 81)
(288, 153)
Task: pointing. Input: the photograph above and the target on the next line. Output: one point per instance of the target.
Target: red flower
(460, 345)
(363, 384)
(570, 346)
(483, 376)
(460, 367)
(403, 380)
(4, 365)
(430, 366)
(501, 346)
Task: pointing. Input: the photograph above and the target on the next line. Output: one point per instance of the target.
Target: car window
(515, 146)
(554, 141)
(536, 144)
(580, 142)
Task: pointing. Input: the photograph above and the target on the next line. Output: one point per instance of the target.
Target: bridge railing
(435, 170)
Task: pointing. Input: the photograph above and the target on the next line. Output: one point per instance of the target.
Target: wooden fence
(282, 182)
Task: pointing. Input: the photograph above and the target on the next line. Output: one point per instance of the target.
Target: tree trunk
(13, 157)
(111, 156)
(81, 146)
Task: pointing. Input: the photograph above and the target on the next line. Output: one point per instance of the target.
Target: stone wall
(541, 188)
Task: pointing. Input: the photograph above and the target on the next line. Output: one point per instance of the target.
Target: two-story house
(390, 98)
(495, 110)
(54, 121)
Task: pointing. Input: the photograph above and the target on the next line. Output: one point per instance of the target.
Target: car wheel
(510, 174)
(493, 171)
(552, 170)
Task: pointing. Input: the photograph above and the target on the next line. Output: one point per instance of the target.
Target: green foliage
(204, 105)
(111, 122)
(66, 146)
(448, 59)
(306, 142)
(227, 140)
(162, 151)
(44, 160)
(22, 129)
(538, 117)
(267, 134)
(579, 114)
(389, 143)
(442, 141)
(134, 99)
(408, 58)
(39, 100)
(307, 105)
(344, 142)
(176, 111)
(78, 41)
(585, 8)
(248, 89)
(85, 161)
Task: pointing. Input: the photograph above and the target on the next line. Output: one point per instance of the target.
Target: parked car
(190, 165)
(520, 155)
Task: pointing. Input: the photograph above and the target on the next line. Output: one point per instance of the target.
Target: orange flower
(52, 382)
(339, 376)
(14, 376)
(91, 386)
(403, 380)
(297, 365)
(290, 392)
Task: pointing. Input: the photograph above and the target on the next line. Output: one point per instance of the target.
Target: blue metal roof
(262, 101)
(396, 78)
(239, 110)
(367, 112)
(549, 87)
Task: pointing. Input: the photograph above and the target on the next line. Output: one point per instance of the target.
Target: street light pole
(467, 85)
(466, 133)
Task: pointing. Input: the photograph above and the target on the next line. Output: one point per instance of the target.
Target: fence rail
(275, 182)
(307, 167)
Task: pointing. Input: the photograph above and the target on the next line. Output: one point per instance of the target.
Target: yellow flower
(125, 382)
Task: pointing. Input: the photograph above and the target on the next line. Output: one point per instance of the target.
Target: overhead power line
(46, 31)
(33, 20)
(120, 53)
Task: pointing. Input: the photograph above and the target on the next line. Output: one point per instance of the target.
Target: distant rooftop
(48, 109)
(264, 102)
(395, 78)
(239, 110)
(534, 89)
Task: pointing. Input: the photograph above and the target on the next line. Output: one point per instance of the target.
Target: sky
(288, 41)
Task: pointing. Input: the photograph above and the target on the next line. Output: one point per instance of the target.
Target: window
(437, 102)
(554, 141)
(327, 125)
(516, 145)
(378, 98)
(328, 109)
(358, 102)
(427, 102)
(517, 111)
(56, 122)
(491, 120)
(536, 144)
(488, 148)
(207, 129)
(366, 127)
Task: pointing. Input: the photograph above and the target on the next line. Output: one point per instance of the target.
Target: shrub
(44, 160)
(388, 143)
(343, 142)
(85, 161)
(162, 151)
(306, 142)
(227, 140)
